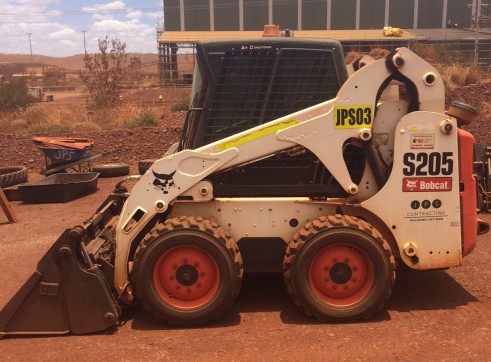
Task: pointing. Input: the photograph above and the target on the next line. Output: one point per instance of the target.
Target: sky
(57, 27)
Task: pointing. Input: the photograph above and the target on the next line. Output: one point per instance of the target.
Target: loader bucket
(67, 293)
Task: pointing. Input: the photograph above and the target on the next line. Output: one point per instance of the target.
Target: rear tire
(339, 268)
(188, 271)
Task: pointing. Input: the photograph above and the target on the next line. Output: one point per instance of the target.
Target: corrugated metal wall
(372, 14)
(171, 15)
(401, 14)
(313, 14)
(226, 15)
(343, 14)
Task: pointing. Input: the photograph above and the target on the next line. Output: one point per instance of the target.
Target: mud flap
(67, 293)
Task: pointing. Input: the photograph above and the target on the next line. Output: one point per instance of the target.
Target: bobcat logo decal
(163, 181)
(411, 184)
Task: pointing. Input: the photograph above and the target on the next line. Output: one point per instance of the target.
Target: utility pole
(30, 46)
(85, 48)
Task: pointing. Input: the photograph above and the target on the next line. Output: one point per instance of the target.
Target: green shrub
(14, 95)
(181, 105)
(146, 119)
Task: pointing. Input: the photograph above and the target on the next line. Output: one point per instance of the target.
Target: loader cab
(240, 84)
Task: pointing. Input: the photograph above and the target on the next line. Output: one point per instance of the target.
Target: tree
(134, 73)
(104, 72)
(14, 95)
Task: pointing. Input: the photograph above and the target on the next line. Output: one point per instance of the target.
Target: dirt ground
(431, 316)
(440, 315)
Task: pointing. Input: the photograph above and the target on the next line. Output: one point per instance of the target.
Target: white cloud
(115, 26)
(68, 43)
(115, 5)
(102, 17)
(134, 14)
(62, 33)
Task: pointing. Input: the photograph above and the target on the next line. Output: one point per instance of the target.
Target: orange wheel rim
(341, 275)
(186, 277)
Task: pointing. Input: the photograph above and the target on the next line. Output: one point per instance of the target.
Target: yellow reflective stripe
(266, 131)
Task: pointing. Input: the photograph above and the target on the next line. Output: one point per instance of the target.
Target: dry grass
(454, 71)
(378, 53)
(351, 56)
(45, 118)
(50, 117)
(456, 76)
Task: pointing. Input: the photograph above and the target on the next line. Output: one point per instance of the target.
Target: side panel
(430, 14)
(467, 192)
(172, 16)
(401, 14)
(420, 202)
(372, 14)
(197, 15)
(255, 14)
(314, 15)
(343, 14)
(285, 14)
(226, 15)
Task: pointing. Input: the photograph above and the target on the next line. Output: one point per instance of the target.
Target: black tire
(144, 165)
(111, 169)
(10, 176)
(339, 268)
(188, 271)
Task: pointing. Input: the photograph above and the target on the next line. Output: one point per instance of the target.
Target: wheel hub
(187, 275)
(340, 273)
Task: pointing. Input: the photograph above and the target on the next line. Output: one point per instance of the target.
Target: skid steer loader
(388, 182)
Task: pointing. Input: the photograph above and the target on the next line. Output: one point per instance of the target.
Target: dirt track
(432, 316)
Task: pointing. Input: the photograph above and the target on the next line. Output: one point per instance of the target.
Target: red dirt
(434, 316)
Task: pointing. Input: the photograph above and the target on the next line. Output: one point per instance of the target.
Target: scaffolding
(174, 66)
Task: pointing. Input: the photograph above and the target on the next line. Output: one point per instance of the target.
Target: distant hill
(74, 62)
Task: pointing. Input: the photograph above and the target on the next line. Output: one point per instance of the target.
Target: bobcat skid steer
(181, 240)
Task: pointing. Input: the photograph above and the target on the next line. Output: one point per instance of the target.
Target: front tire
(188, 271)
(339, 268)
